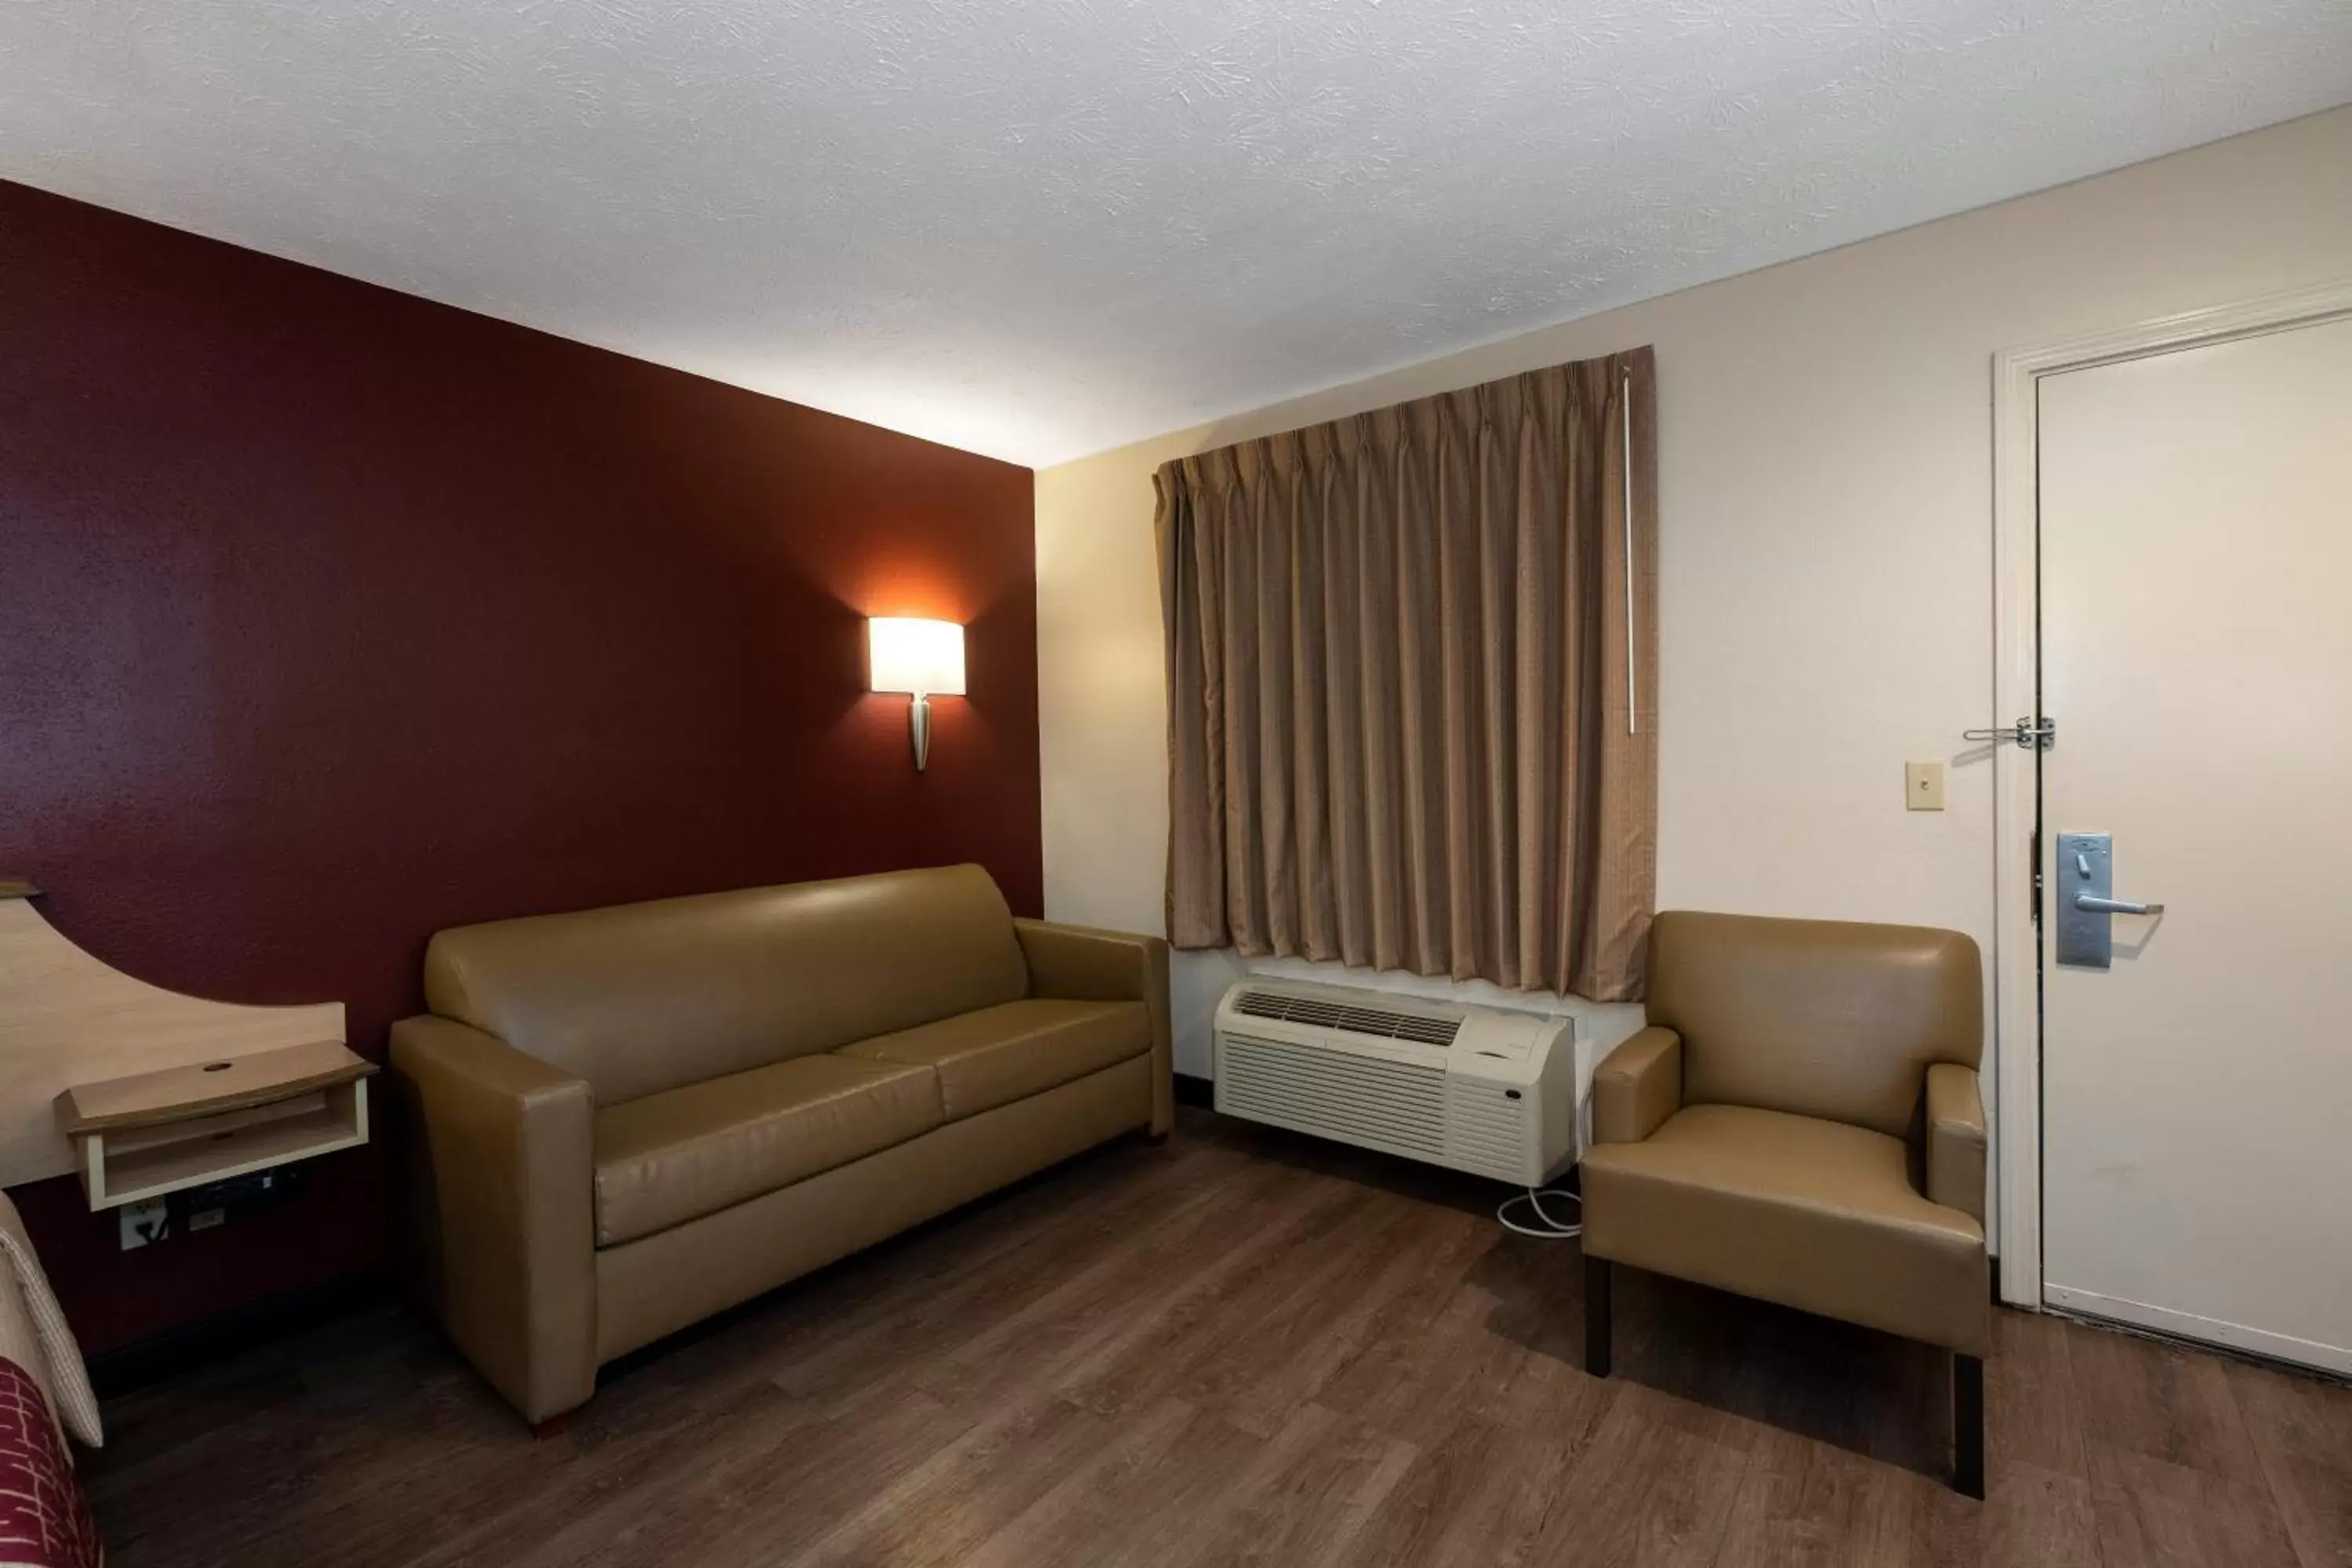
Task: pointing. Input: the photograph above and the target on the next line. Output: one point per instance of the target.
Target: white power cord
(1553, 1229)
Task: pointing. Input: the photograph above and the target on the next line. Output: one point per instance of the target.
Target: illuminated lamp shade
(922, 659)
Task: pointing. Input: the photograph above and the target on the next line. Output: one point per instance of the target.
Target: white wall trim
(2016, 1002)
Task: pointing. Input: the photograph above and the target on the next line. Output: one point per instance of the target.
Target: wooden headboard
(65, 1019)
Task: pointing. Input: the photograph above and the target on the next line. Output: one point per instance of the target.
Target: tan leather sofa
(622, 1120)
(1802, 1123)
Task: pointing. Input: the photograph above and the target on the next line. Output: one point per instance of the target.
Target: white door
(2195, 557)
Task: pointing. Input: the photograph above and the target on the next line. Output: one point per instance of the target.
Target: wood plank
(1291, 1361)
(1205, 1515)
(1121, 1498)
(1085, 1333)
(1797, 1505)
(1315, 1508)
(2302, 1432)
(928, 1296)
(1184, 1345)
(2035, 1517)
(1920, 1522)
(1231, 1349)
(2033, 1413)
(939, 1512)
(209, 1089)
(1481, 1496)
(2166, 1401)
(2154, 1514)
(1652, 1487)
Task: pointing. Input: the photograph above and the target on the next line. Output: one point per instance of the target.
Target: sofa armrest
(1956, 1138)
(1079, 963)
(499, 1156)
(1638, 1087)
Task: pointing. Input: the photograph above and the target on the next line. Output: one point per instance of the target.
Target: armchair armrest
(500, 1155)
(1079, 963)
(1638, 1087)
(1956, 1138)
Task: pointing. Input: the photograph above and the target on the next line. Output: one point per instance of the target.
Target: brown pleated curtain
(1398, 703)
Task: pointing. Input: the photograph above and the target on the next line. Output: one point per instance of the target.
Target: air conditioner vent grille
(1486, 1130)
(1395, 1106)
(1378, 1021)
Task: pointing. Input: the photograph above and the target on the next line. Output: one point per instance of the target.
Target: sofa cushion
(995, 1055)
(1815, 1214)
(671, 1157)
(645, 998)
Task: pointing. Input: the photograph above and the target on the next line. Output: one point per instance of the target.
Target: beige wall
(1826, 539)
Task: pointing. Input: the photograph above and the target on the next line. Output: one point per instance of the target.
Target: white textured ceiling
(1042, 227)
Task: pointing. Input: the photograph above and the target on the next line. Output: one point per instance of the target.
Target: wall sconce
(924, 659)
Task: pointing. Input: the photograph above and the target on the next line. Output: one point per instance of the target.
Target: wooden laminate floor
(1239, 1347)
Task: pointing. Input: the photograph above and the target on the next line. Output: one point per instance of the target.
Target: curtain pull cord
(1625, 420)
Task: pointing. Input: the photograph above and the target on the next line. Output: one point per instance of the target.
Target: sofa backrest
(644, 997)
(1820, 1018)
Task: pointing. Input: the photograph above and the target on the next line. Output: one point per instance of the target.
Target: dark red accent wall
(331, 616)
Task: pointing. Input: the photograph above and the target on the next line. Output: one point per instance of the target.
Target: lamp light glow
(923, 659)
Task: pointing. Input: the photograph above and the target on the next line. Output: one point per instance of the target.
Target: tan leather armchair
(617, 1121)
(1801, 1122)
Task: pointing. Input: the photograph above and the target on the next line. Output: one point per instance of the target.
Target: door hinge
(2028, 734)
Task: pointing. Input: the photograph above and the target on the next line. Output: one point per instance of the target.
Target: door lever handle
(2096, 905)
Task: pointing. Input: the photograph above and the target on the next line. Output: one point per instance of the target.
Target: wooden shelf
(156, 1132)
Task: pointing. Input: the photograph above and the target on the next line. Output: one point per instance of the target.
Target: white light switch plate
(1923, 786)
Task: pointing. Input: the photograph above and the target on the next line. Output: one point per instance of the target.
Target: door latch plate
(2027, 734)
(2085, 865)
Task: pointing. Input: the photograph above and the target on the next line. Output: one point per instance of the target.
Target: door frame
(2017, 773)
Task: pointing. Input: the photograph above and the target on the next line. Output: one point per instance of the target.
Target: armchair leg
(1968, 1425)
(1596, 1315)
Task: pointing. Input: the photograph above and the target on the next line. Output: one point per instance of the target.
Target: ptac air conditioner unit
(1477, 1088)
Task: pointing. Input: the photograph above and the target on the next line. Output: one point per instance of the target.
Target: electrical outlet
(150, 1219)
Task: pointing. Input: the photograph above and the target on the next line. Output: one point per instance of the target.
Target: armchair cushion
(997, 1055)
(1956, 1140)
(675, 1156)
(1815, 1214)
(1638, 1087)
(1814, 1017)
